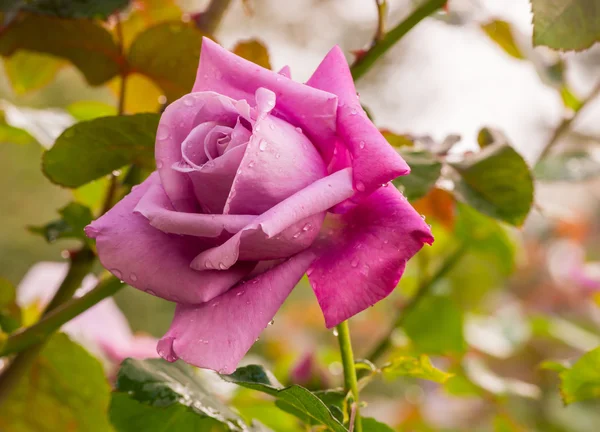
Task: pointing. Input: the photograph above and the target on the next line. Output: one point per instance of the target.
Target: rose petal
(311, 109)
(363, 257)
(175, 125)
(216, 335)
(374, 161)
(279, 161)
(291, 225)
(286, 72)
(157, 208)
(155, 262)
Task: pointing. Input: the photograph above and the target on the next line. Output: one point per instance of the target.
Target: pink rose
(259, 180)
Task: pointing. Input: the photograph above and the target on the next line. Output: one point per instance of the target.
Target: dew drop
(250, 164)
(215, 304)
(149, 291)
(385, 241)
(423, 217)
(257, 128)
(222, 266)
(240, 293)
(262, 146)
(133, 277)
(297, 234)
(335, 332)
(362, 144)
(335, 151)
(272, 126)
(162, 133)
(353, 112)
(354, 263)
(299, 130)
(205, 342)
(239, 171)
(277, 156)
(117, 273)
(306, 227)
(360, 186)
(159, 164)
(271, 322)
(309, 271)
(116, 173)
(188, 101)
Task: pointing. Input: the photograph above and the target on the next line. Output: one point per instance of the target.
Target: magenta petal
(286, 72)
(157, 208)
(362, 260)
(155, 262)
(288, 227)
(374, 161)
(216, 335)
(309, 108)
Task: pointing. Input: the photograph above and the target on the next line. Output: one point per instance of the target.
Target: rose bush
(260, 179)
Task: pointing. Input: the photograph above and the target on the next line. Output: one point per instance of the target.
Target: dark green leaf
(566, 24)
(75, 217)
(152, 393)
(74, 9)
(497, 182)
(435, 325)
(84, 43)
(92, 149)
(68, 391)
(414, 367)
(294, 399)
(425, 169)
(254, 51)
(372, 425)
(582, 380)
(501, 33)
(168, 54)
(10, 313)
(574, 165)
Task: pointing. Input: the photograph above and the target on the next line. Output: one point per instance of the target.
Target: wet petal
(374, 161)
(216, 335)
(363, 256)
(289, 226)
(155, 262)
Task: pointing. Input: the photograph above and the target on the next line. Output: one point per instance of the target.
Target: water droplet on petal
(423, 217)
(159, 164)
(240, 293)
(205, 342)
(360, 186)
(250, 164)
(277, 156)
(306, 227)
(257, 128)
(272, 126)
(149, 291)
(309, 271)
(162, 133)
(353, 112)
(222, 266)
(117, 273)
(133, 277)
(297, 234)
(262, 146)
(215, 304)
(299, 130)
(362, 144)
(239, 171)
(188, 100)
(354, 263)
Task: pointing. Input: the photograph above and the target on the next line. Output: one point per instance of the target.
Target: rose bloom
(260, 179)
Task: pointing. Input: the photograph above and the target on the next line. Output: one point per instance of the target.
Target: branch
(423, 289)
(365, 61)
(209, 20)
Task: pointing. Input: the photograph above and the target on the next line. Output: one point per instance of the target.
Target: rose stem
(422, 291)
(209, 20)
(55, 318)
(81, 263)
(365, 60)
(350, 382)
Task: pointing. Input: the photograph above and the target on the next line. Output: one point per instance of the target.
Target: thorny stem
(382, 6)
(365, 61)
(423, 289)
(350, 381)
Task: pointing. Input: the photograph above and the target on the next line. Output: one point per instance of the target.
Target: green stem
(365, 61)
(81, 264)
(350, 382)
(52, 321)
(209, 20)
(423, 289)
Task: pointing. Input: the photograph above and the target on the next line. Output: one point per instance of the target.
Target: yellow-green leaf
(415, 367)
(501, 33)
(254, 51)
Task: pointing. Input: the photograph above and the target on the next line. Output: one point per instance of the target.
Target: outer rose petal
(216, 335)
(374, 161)
(362, 260)
(157, 208)
(288, 227)
(286, 72)
(153, 261)
(309, 108)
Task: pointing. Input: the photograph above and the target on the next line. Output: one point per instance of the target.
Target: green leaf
(566, 24)
(28, 71)
(153, 393)
(91, 149)
(67, 392)
(435, 325)
(497, 182)
(12, 135)
(570, 166)
(371, 425)
(501, 33)
(10, 313)
(420, 367)
(425, 169)
(168, 53)
(294, 399)
(582, 380)
(87, 45)
(75, 217)
(90, 110)
(75, 9)
(254, 51)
